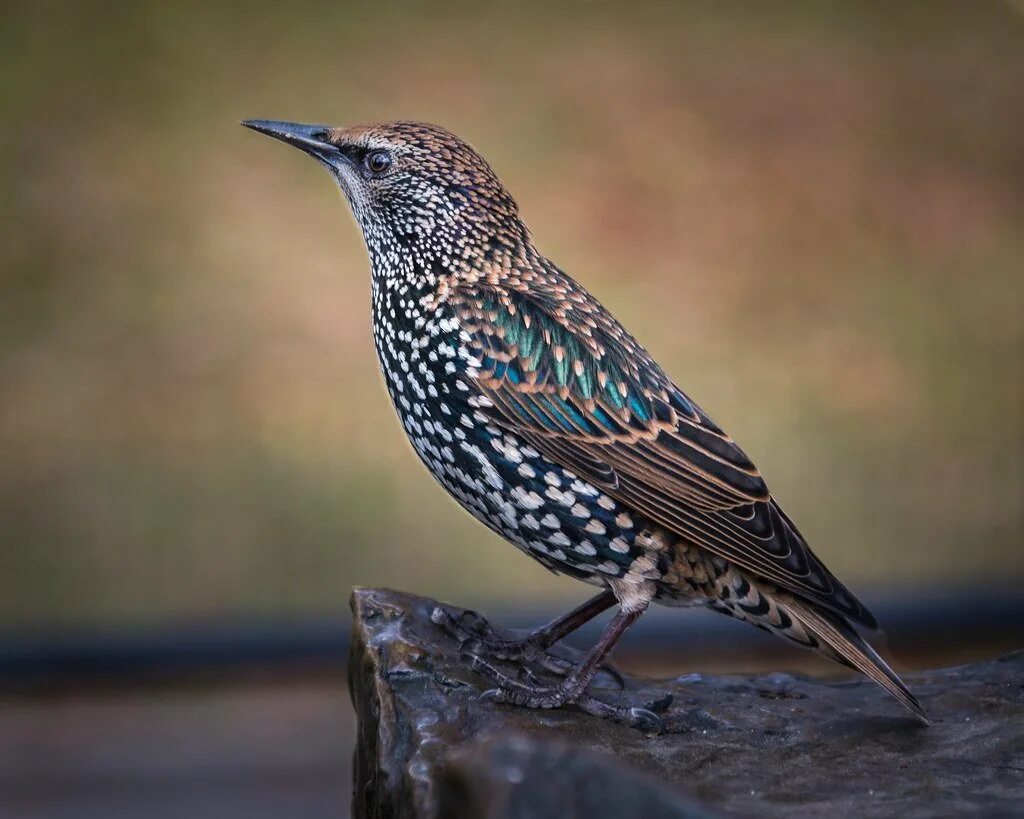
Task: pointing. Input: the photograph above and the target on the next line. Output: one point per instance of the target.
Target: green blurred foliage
(812, 214)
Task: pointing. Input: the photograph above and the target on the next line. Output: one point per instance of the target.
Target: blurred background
(812, 214)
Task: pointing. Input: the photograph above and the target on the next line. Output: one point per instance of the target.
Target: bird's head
(410, 184)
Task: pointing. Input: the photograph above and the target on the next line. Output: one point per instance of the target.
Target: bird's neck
(415, 264)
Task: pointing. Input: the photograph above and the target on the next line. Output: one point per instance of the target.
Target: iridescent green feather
(534, 334)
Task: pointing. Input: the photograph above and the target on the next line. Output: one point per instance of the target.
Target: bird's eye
(377, 161)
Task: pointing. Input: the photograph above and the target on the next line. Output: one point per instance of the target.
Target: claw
(646, 721)
(496, 695)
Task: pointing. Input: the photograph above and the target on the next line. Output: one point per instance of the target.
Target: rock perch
(773, 745)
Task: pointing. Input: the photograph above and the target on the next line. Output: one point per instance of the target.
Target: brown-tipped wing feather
(566, 376)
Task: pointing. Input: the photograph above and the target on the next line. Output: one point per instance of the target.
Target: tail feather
(811, 626)
(853, 650)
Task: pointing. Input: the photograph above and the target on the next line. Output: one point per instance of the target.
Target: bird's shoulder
(543, 338)
(555, 337)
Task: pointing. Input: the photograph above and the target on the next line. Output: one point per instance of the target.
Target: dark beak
(310, 138)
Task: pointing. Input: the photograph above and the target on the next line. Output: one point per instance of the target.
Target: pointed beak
(310, 138)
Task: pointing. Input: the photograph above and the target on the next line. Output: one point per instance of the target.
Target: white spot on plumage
(526, 499)
(617, 544)
(585, 547)
(558, 539)
(553, 493)
(584, 489)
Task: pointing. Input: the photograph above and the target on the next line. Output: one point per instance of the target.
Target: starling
(548, 422)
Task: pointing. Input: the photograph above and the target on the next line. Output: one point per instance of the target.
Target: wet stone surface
(772, 745)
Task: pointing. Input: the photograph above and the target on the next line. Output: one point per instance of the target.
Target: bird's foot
(644, 717)
(478, 637)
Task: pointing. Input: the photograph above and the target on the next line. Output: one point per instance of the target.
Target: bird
(547, 420)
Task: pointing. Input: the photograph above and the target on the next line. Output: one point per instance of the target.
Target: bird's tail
(841, 642)
(824, 631)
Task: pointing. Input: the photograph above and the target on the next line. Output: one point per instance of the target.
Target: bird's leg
(572, 690)
(479, 637)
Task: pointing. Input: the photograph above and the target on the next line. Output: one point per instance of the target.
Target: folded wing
(567, 377)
